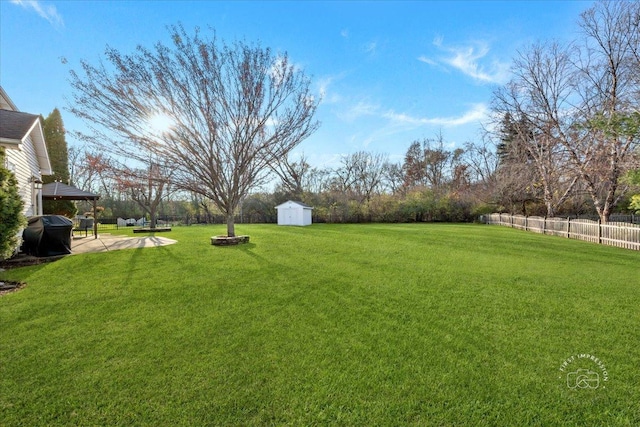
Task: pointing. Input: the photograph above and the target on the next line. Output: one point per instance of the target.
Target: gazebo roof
(61, 191)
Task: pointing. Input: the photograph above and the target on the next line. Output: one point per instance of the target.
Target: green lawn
(325, 325)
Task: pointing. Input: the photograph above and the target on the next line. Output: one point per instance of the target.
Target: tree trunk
(231, 228)
(152, 217)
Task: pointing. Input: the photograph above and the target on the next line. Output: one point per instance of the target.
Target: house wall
(22, 161)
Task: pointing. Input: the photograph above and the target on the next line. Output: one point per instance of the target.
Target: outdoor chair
(86, 225)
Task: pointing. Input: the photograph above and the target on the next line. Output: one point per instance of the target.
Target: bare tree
(533, 109)
(230, 111)
(608, 121)
(393, 178)
(294, 175)
(482, 161)
(575, 109)
(429, 163)
(361, 174)
(90, 170)
(437, 162)
(146, 187)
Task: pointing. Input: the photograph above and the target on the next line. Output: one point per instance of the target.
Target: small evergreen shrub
(11, 217)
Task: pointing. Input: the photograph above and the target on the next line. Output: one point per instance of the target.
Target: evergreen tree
(54, 135)
(11, 217)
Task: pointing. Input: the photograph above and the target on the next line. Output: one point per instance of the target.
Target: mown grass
(328, 324)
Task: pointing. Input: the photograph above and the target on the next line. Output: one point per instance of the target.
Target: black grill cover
(47, 235)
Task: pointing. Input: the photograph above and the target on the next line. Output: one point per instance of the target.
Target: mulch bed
(21, 260)
(8, 286)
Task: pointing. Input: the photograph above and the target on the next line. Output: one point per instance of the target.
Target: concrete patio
(108, 242)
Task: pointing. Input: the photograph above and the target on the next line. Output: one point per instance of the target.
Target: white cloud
(48, 12)
(344, 33)
(361, 109)
(466, 59)
(427, 60)
(371, 48)
(328, 96)
(470, 60)
(477, 114)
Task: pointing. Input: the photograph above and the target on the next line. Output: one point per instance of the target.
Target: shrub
(11, 217)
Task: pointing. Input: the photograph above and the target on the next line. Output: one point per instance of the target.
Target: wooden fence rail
(619, 234)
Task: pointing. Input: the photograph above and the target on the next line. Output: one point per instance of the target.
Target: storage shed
(294, 213)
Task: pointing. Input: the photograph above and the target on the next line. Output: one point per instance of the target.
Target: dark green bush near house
(11, 218)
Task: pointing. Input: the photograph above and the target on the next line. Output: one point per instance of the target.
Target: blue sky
(389, 72)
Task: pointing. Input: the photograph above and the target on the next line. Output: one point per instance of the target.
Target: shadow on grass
(246, 248)
(241, 247)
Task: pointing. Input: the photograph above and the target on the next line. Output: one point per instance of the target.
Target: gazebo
(59, 191)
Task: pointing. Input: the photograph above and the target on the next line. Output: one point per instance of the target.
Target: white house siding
(23, 162)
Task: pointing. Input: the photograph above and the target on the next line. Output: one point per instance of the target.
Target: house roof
(295, 202)
(16, 126)
(6, 102)
(59, 191)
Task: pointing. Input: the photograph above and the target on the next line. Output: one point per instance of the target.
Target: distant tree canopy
(11, 217)
(55, 139)
(220, 117)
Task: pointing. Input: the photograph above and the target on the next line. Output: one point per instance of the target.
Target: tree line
(564, 137)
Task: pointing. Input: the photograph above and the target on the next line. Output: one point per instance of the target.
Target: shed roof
(294, 202)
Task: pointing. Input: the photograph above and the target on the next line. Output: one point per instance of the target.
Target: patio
(107, 242)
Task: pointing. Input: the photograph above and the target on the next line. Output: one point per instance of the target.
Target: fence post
(544, 225)
(599, 231)
(526, 223)
(568, 227)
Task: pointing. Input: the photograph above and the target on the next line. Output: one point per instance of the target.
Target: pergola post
(95, 219)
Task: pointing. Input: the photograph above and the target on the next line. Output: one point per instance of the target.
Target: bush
(635, 203)
(11, 217)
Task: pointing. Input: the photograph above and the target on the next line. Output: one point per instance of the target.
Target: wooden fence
(619, 234)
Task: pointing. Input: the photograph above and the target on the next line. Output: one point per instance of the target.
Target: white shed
(294, 213)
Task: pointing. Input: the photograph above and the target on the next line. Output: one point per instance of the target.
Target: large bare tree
(602, 146)
(576, 108)
(533, 109)
(220, 113)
